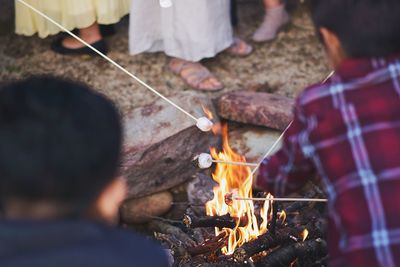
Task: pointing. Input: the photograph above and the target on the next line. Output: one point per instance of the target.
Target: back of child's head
(59, 142)
(365, 28)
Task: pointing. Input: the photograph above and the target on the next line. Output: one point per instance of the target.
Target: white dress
(190, 29)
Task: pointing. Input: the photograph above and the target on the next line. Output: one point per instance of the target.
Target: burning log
(313, 250)
(225, 221)
(267, 241)
(281, 237)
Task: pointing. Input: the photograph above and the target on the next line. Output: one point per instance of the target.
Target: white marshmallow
(204, 161)
(204, 124)
(165, 3)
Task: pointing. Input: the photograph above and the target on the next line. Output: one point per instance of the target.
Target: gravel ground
(285, 66)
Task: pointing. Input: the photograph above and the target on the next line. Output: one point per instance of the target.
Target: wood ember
(279, 247)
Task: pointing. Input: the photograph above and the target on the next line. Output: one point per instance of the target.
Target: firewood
(160, 159)
(175, 245)
(210, 245)
(165, 228)
(225, 221)
(283, 236)
(267, 241)
(313, 250)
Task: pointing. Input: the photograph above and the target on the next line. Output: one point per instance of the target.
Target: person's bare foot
(90, 35)
(195, 74)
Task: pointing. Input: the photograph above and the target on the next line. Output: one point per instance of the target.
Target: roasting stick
(203, 123)
(281, 199)
(235, 163)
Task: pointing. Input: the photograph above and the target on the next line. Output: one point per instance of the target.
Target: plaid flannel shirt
(347, 130)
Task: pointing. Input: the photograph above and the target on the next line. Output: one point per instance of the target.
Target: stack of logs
(283, 244)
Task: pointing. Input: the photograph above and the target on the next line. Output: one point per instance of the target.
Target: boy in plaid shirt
(347, 130)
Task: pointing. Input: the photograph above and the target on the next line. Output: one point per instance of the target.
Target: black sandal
(57, 46)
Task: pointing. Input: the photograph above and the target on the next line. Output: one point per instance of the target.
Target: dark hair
(59, 141)
(366, 28)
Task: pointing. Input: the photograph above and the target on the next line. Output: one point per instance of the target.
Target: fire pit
(225, 231)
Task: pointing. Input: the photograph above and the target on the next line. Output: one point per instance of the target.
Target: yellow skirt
(69, 13)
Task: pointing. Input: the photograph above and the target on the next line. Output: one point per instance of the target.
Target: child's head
(59, 150)
(358, 28)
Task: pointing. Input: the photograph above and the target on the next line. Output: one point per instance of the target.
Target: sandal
(195, 75)
(58, 47)
(239, 48)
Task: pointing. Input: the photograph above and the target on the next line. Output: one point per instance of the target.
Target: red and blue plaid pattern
(347, 130)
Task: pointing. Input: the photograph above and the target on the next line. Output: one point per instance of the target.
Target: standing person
(275, 18)
(188, 31)
(60, 147)
(347, 131)
(85, 15)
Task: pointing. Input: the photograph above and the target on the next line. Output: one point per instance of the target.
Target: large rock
(253, 142)
(160, 143)
(142, 210)
(256, 108)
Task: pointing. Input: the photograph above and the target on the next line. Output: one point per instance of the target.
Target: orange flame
(282, 216)
(216, 128)
(304, 234)
(237, 180)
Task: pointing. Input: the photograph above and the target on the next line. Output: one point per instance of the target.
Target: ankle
(91, 34)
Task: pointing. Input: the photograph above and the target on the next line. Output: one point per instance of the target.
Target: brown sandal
(195, 75)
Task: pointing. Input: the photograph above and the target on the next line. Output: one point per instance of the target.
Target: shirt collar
(358, 67)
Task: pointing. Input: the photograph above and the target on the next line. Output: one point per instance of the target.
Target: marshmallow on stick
(204, 124)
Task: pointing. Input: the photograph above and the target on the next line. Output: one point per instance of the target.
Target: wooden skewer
(235, 163)
(282, 199)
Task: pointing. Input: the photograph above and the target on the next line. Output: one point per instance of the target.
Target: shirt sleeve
(289, 169)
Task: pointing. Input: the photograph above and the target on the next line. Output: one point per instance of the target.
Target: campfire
(231, 232)
(235, 180)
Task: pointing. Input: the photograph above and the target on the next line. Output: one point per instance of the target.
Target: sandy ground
(285, 66)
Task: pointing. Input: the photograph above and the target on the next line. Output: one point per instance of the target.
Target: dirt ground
(284, 66)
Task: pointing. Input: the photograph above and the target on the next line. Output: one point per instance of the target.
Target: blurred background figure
(60, 147)
(275, 18)
(85, 15)
(188, 32)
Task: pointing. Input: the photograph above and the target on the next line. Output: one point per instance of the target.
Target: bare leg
(90, 34)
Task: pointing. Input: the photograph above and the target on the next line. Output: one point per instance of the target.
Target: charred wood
(267, 241)
(281, 237)
(209, 245)
(225, 221)
(166, 228)
(313, 250)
